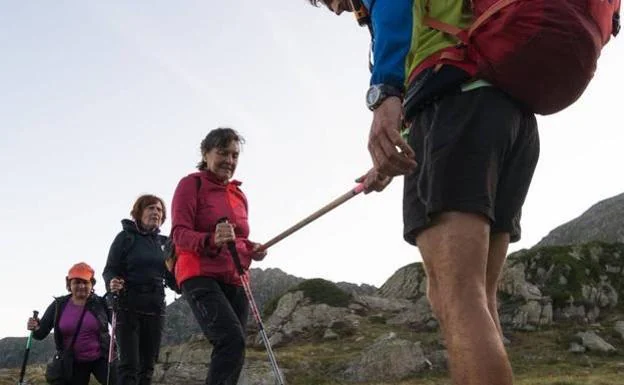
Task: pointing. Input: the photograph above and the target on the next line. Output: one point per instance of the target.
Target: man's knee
(454, 251)
(451, 300)
(455, 286)
(435, 302)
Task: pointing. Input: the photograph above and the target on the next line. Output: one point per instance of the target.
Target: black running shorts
(476, 152)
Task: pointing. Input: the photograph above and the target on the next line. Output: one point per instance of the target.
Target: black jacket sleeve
(114, 264)
(104, 302)
(46, 323)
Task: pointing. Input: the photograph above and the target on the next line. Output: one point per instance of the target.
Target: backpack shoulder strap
(169, 246)
(199, 183)
(58, 302)
(127, 244)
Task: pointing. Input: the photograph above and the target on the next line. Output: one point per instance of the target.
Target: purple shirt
(87, 345)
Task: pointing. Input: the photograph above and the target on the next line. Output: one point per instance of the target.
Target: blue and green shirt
(401, 41)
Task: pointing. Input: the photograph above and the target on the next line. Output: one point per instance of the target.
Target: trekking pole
(111, 344)
(312, 217)
(27, 352)
(254, 309)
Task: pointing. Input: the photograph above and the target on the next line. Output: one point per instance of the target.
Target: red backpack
(541, 52)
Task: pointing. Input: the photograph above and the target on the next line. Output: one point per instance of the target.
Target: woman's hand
(33, 324)
(257, 255)
(224, 233)
(116, 285)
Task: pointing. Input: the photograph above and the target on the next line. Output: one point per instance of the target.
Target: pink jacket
(199, 201)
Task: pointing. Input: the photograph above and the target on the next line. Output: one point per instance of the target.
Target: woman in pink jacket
(205, 270)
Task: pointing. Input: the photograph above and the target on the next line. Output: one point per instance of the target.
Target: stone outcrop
(389, 359)
(561, 283)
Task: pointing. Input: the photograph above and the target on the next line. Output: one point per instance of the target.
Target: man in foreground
(468, 161)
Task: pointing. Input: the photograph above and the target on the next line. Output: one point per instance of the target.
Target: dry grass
(538, 358)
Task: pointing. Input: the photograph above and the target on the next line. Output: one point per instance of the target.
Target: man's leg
(499, 242)
(455, 253)
(476, 153)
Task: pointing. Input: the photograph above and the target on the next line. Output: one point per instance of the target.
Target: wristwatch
(377, 93)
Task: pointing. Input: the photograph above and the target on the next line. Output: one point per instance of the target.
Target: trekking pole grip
(233, 252)
(36, 318)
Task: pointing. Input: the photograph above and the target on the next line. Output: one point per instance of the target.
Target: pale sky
(103, 101)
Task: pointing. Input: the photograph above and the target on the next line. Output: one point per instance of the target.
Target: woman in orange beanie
(80, 322)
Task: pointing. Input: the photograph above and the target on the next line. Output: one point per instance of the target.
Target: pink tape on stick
(358, 189)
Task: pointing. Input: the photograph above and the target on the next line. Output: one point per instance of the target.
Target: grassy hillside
(538, 358)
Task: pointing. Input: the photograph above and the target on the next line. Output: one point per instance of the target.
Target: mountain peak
(603, 222)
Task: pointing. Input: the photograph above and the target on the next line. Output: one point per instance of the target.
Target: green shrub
(321, 291)
(579, 265)
(318, 291)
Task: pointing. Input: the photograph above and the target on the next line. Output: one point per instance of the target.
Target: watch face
(373, 95)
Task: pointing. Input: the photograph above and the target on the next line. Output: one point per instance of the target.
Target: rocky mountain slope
(561, 306)
(180, 324)
(603, 222)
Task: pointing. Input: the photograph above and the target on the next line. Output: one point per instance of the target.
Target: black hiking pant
(138, 343)
(99, 368)
(221, 311)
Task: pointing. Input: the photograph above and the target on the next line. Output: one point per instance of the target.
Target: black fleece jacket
(137, 256)
(50, 320)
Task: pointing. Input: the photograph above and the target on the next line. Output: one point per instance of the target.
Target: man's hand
(374, 181)
(384, 139)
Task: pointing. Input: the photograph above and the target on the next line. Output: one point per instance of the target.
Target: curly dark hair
(142, 202)
(218, 138)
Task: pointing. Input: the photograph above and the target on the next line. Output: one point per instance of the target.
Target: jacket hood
(132, 227)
